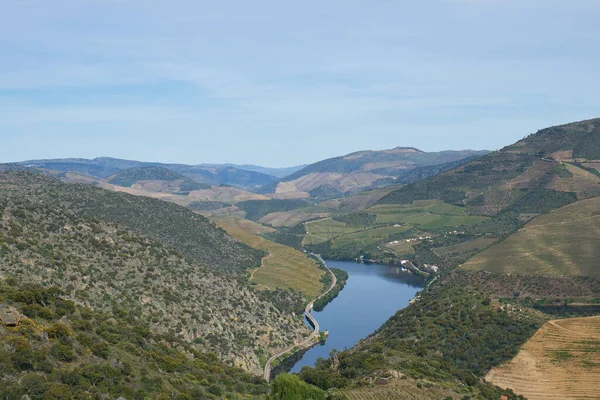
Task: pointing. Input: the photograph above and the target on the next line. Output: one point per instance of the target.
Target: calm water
(371, 296)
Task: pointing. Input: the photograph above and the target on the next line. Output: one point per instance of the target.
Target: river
(373, 293)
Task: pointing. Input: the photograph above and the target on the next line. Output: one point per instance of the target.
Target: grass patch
(427, 214)
(560, 355)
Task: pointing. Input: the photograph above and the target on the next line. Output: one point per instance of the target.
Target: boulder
(9, 316)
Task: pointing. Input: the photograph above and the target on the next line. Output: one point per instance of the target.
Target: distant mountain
(365, 170)
(161, 178)
(276, 172)
(105, 167)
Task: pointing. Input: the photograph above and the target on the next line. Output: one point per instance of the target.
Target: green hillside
(495, 181)
(130, 176)
(192, 235)
(468, 208)
(110, 267)
(256, 209)
(563, 242)
(61, 350)
(447, 340)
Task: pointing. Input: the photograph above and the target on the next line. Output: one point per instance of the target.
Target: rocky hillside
(52, 348)
(192, 235)
(365, 169)
(57, 234)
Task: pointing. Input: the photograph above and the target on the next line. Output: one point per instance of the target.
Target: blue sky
(279, 83)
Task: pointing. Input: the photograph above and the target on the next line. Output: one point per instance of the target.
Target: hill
(104, 167)
(109, 266)
(161, 178)
(563, 242)
(283, 267)
(445, 341)
(61, 350)
(462, 211)
(559, 162)
(362, 170)
(192, 235)
(276, 172)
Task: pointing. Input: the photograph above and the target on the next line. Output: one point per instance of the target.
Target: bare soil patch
(561, 361)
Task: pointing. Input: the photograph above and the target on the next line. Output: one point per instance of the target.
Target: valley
(299, 200)
(506, 242)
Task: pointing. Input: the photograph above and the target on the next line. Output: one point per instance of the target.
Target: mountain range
(351, 173)
(106, 167)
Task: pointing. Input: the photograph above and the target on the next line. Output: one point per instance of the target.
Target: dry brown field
(561, 361)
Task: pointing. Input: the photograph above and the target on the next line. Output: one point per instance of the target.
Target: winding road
(307, 310)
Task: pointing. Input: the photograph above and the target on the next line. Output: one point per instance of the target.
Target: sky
(280, 83)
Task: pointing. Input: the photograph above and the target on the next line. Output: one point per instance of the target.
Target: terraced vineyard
(564, 242)
(561, 361)
(283, 267)
(401, 389)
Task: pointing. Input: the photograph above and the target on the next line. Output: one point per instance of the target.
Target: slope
(365, 169)
(283, 267)
(563, 242)
(60, 350)
(550, 160)
(562, 360)
(446, 340)
(110, 267)
(192, 235)
(160, 179)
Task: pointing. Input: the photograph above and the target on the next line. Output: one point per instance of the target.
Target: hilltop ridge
(365, 169)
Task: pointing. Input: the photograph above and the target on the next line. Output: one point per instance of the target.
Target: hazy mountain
(158, 178)
(364, 170)
(276, 172)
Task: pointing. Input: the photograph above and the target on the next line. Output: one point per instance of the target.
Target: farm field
(402, 248)
(325, 229)
(401, 389)
(463, 251)
(291, 218)
(427, 214)
(243, 224)
(356, 202)
(389, 220)
(561, 361)
(283, 267)
(369, 236)
(466, 247)
(563, 242)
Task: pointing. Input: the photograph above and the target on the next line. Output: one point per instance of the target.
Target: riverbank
(342, 278)
(373, 293)
(405, 264)
(314, 336)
